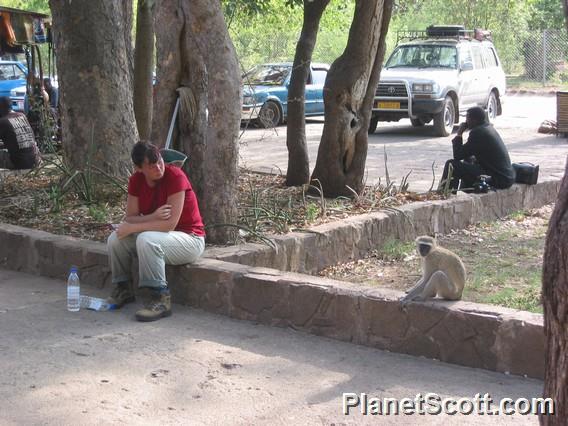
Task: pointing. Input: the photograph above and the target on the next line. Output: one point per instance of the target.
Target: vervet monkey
(443, 273)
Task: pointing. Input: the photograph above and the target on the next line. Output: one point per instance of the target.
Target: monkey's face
(424, 249)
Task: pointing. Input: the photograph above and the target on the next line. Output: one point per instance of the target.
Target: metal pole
(171, 129)
(544, 58)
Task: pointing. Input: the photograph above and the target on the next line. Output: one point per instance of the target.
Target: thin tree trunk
(208, 125)
(348, 94)
(143, 67)
(169, 62)
(95, 83)
(128, 16)
(298, 172)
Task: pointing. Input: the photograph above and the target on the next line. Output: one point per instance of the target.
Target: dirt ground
(503, 261)
(49, 200)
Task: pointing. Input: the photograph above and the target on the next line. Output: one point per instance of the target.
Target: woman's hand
(124, 230)
(163, 212)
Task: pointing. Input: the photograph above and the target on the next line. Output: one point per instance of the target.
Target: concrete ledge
(42, 253)
(463, 333)
(352, 238)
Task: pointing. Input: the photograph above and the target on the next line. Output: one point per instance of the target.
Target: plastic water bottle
(73, 290)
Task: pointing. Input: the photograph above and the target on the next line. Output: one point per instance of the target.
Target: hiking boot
(159, 306)
(121, 295)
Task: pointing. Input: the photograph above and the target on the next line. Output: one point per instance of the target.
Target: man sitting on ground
(18, 138)
(490, 155)
(162, 226)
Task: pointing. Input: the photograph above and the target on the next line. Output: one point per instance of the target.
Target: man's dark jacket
(490, 152)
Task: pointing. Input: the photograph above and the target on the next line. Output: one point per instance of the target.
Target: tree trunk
(298, 172)
(209, 119)
(348, 95)
(92, 40)
(143, 67)
(169, 60)
(555, 302)
(179, 66)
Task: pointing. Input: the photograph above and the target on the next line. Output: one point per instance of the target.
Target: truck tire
(444, 121)
(491, 108)
(373, 124)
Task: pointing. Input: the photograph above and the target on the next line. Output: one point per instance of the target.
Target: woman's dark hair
(143, 150)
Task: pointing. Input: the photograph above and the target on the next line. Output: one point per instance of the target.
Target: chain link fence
(538, 58)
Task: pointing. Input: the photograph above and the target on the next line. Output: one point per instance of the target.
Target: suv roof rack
(457, 32)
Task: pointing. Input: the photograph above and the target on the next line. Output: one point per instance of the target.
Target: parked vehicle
(265, 94)
(436, 75)
(18, 97)
(12, 76)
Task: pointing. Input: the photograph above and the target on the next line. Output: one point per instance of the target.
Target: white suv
(436, 75)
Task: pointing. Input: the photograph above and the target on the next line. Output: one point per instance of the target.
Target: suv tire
(269, 115)
(373, 124)
(492, 105)
(444, 121)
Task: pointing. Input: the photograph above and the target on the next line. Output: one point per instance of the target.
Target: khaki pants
(154, 251)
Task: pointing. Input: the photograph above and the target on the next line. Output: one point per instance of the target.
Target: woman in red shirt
(162, 226)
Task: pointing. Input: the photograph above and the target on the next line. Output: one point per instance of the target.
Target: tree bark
(555, 303)
(169, 60)
(143, 67)
(180, 66)
(348, 94)
(209, 121)
(298, 172)
(92, 40)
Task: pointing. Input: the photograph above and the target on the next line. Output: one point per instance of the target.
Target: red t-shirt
(173, 181)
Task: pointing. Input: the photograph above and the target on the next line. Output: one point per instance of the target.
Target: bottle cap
(74, 268)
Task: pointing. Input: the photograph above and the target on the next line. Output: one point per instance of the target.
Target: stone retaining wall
(352, 238)
(458, 332)
(464, 333)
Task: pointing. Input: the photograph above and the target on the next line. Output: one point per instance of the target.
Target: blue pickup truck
(13, 76)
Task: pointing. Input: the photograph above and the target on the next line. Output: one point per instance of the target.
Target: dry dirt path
(62, 368)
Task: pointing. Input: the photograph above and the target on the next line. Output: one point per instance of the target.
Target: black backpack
(526, 173)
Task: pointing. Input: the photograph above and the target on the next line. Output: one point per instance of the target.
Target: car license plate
(387, 105)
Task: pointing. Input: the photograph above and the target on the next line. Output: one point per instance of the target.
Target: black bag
(526, 173)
